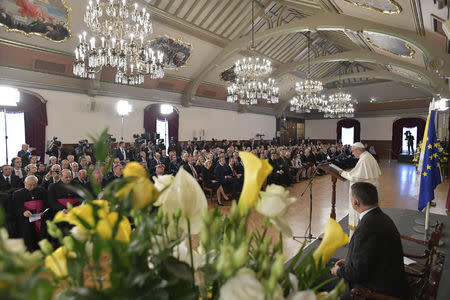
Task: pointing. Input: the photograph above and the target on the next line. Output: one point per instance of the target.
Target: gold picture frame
(406, 44)
(52, 28)
(388, 12)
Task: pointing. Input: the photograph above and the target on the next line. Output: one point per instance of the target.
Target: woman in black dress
(209, 181)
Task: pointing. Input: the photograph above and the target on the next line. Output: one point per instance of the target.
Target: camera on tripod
(110, 139)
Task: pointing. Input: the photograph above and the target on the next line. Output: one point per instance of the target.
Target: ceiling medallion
(251, 72)
(121, 33)
(389, 44)
(49, 20)
(389, 7)
(176, 52)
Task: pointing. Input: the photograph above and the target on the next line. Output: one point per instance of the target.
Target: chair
(362, 294)
(418, 269)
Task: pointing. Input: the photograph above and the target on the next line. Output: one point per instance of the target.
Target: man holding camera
(25, 154)
(52, 176)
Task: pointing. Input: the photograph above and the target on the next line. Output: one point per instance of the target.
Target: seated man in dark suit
(190, 168)
(375, 255)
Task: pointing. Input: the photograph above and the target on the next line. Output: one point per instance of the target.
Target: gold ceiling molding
(29, 34)
(407, 73)
(396, 9)
(367, 34)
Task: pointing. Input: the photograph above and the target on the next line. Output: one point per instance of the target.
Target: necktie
(232, 169)
(8, 180)
(123, 153)
(19, 174)
(194, 172)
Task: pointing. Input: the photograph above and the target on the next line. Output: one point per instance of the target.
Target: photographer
(25, 154)
(53, 147)
(83, 149)
(53, 176)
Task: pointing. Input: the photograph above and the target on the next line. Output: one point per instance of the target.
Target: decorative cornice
(33, 47)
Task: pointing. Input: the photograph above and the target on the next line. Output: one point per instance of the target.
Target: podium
(334, 177)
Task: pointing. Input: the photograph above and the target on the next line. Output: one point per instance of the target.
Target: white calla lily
(161, 183)
(274, 204)
(185, 194)
(243, 286)
(303, 295)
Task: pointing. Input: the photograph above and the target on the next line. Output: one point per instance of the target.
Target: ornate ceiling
(378, 49)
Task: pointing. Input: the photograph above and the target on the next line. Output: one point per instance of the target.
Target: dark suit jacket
(187, 168)
(221, 172)
(25, 156)
(375, 257)
(119, 154)
(16, 183)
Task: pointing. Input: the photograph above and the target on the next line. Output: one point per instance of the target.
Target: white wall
(70, 121)
(371, 128)
(224, 124)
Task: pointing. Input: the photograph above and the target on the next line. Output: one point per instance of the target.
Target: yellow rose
(57, 261)
(106, 225)
(144, 192)
(255, 172)
(333, 238)
(84, 212)
(134, 169)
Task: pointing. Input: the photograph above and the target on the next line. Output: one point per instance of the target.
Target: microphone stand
(309, 237)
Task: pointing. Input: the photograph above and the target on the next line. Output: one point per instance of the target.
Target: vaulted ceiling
(376, 49)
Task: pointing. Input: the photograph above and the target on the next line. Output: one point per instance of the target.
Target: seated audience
(17, 168)
(53, 176)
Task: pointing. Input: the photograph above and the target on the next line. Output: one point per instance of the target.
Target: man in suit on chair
(375, 256)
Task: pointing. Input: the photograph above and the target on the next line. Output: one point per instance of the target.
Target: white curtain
(348, 135)
(12, 125)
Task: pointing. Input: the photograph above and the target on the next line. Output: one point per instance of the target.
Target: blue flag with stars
(430, 177)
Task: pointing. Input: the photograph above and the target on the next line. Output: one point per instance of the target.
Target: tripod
(308, 237)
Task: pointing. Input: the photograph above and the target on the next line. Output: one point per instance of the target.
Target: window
(413, 131)
(348, 135)
(12, 135)
(162, 128)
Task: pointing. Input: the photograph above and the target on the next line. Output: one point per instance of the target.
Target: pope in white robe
(366, 170)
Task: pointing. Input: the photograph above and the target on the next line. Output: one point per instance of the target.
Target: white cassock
(366, 170)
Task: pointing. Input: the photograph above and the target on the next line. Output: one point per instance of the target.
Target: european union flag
(430, 177)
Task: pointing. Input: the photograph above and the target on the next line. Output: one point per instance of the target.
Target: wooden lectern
(334, 177)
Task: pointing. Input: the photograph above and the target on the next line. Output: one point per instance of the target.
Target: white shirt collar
(361, 215)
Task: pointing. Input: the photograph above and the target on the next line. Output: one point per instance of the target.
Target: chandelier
(305, 103)
(340, 105)
(250, 85)
(248, 92)
(122, 42)
(308, 92)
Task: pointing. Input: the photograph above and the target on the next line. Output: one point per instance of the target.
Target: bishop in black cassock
(30, 200)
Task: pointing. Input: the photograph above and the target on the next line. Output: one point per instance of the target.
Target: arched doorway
(348, 131)
(157, 116)
(399, 128)
(32, 108)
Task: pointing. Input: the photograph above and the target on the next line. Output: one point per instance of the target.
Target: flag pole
(427, 221)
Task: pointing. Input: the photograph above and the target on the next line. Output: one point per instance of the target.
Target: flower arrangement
(144, 240)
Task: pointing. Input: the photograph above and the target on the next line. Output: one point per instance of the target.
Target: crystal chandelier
(308, 92)
(123, 33)
(305, 103)
(250, 85)
(248, 92)
(340, 105)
